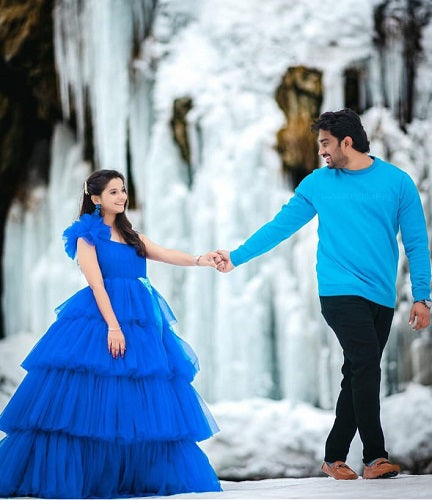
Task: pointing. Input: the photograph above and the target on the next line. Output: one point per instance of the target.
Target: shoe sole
(340, 478)
(386, 475)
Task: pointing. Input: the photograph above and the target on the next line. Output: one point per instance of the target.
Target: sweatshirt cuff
(235, 258)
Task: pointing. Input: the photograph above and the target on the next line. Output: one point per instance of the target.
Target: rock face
(181, 108)
(29, 103)
(299, 96)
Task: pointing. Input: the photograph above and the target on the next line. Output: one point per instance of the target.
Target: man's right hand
(225, 265)
(419, 316)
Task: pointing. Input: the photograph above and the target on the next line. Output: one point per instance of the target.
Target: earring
(97, 209)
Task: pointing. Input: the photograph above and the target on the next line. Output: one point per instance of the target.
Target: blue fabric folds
(85, 425)
(165, 308)
(91, 227)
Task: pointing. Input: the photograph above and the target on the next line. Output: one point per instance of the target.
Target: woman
(107, 409)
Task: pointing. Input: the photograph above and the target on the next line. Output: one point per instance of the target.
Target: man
(362, 202)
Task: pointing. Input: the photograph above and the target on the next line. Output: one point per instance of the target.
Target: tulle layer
(56, 465)
(91, 227)
(81, 344)
(133, 299)
(109, 408)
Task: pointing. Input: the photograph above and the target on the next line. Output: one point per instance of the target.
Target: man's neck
(359, 161)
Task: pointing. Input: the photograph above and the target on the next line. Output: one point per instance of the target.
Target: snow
(403, 486)
(12, 352)
(261, 438)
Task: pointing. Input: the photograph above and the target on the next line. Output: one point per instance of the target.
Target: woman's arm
(89, 265)
(177, 257)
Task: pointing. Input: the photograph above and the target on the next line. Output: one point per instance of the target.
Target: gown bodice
(124, 272)
(116, 260)
(120, 260)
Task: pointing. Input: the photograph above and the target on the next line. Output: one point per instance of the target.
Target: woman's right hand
(116, 343)
(211, 259)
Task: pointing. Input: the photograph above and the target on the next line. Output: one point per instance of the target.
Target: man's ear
(347, 141)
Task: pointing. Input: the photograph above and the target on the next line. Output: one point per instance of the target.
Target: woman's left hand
(116, 343)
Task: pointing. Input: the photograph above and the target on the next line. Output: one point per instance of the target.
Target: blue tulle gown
(83, 424)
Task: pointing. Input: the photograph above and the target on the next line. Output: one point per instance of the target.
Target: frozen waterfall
(257, 331)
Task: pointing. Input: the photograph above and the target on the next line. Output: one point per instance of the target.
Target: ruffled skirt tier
(58, 465)
(83, 424)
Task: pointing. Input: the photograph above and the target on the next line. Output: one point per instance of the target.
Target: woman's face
(113, 198)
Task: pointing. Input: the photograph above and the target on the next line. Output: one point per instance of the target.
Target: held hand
(225, 265)
(211, 259)
(419, 316)
(116, 343)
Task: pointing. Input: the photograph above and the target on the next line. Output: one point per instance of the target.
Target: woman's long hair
(94, 185)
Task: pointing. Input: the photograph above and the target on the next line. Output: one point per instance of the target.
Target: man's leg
(367, 410)
(355, 321)
(345, 426)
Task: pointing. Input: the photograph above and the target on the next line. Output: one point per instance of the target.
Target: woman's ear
(95, 199)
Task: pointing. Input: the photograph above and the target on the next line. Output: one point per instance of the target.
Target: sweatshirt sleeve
(292, 216)
(415, 240)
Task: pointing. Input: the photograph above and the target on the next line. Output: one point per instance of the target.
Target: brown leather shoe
(380, 469)
(339, 470)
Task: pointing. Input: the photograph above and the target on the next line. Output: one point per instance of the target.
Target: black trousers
(362, 328)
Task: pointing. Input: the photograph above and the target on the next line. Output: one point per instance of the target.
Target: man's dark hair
(341, 124)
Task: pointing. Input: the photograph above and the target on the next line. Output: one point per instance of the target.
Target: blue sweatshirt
(360, 213)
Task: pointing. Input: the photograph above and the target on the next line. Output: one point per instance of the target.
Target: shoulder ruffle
(88, 226)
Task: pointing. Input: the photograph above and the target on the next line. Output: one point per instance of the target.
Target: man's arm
(292, 216)
(415, 241)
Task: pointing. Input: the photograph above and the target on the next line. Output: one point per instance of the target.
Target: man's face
(330, 150)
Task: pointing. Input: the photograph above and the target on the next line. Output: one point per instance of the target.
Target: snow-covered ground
(404, 486)
(261, 438)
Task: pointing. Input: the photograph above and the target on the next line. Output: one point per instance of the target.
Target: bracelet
(197, 258)
(114, 329)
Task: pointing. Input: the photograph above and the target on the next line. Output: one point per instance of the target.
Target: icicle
(69, 59)
(94, 53)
